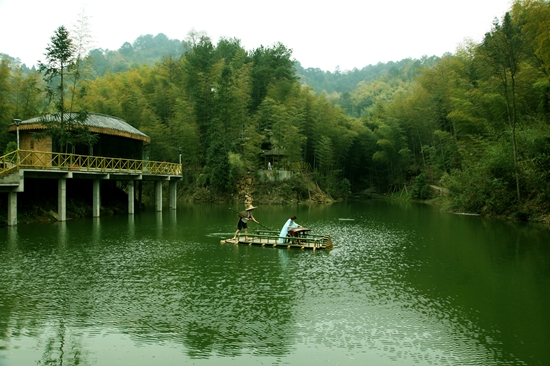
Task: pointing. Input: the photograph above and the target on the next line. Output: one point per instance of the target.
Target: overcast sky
(343, 33)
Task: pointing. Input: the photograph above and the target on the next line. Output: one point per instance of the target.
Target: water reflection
(12, 237)
(173, 217)
(96, 231)
(404, 285)
(62, 346)
(62, 235)
(159, 224)
(131, 227)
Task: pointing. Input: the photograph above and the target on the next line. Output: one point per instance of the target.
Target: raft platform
(297, 239)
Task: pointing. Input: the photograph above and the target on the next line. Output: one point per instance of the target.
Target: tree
(82, 63)
(198, 83)
(67, 128)
(503, 50)
(27, 89)
(270, 65)
(6, 107)
(534, 21)
(59, 58)
(392, 153)
(421, 189)
(324, 155)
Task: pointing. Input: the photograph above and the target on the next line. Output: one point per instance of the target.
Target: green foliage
(476, 121)
(59, 61)
(145, 50)
(270, 66)
(218, 170)
(251, 147)
(343, 189)
(421, 190)
(484, 185)
(442, 155)
(535, 164)
(67, 129)
(392, 155)
(20, 96)
(503, 51)
(325, 154)
(237, 168)
(6, 107)
(346, 81)
(11, 146)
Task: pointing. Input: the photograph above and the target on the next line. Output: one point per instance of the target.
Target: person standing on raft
(244, 217)
(289, 225)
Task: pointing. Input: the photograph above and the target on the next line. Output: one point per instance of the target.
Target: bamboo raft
(298, 239)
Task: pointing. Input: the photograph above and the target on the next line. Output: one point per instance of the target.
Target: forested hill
(355, 91)
(346, 81)
(149, 49)
(146, 49)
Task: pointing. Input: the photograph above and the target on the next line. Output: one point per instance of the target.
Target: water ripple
(378, 295)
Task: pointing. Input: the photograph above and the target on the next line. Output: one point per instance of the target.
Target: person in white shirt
(289, 225)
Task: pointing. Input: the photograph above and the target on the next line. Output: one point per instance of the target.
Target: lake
(405, 285)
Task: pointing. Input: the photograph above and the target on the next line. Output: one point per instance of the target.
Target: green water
(405, 285)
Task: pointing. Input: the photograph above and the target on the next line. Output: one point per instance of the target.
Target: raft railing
(29, 159)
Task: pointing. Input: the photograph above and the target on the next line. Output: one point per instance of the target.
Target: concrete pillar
(12, 208)
(158, 195)
(131, 198)
(96, 198)
(173, 194)
(62, 199)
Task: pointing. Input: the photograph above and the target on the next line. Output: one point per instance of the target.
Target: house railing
(23, 159)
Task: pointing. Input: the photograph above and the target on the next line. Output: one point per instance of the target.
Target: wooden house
(117, 138)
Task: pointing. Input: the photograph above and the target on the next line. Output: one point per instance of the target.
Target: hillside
(148, 49)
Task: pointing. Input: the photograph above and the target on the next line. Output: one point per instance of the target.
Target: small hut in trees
(274, 159)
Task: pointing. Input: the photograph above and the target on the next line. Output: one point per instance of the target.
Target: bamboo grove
(474, 123)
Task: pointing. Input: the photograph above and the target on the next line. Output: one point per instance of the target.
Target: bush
(421, 190)
(344, 189)
(11, 146)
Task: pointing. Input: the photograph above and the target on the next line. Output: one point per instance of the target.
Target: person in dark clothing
(244, 217)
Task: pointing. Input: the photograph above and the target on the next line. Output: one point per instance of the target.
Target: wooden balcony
(40, 160)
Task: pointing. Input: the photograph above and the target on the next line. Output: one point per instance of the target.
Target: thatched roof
(98, 123)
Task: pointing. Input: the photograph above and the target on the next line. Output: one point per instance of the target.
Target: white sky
(322, 34)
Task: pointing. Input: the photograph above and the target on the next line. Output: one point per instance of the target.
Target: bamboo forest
(470, 128)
